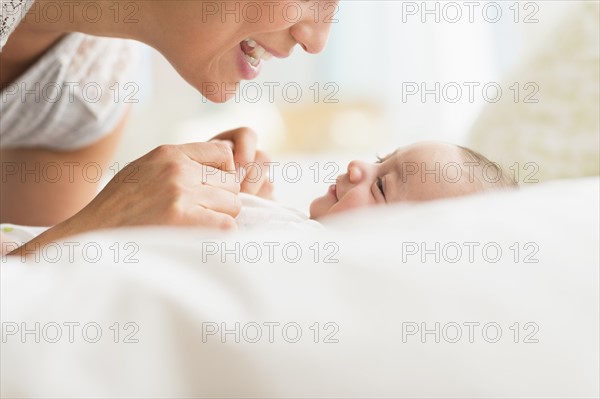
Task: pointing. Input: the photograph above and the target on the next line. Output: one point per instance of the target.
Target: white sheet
(176, 289)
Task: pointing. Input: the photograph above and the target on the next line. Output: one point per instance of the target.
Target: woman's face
(216, 44)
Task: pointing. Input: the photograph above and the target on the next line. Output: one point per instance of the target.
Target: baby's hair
(502, 179)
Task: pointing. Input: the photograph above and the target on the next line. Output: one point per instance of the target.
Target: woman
(212, 45)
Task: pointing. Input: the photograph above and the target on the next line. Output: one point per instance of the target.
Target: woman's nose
(312, 32)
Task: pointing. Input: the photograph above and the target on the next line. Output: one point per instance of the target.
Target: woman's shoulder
(73, 95)
(11, 14)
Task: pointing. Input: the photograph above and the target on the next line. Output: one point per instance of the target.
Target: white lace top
(73, 95)
(11, 13)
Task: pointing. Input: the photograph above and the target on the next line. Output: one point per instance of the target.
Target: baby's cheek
(353, 201)
(320, 207)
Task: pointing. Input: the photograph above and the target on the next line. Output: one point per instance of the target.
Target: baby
(421, 172)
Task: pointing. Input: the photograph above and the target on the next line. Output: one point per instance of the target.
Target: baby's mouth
(254, 52)
(333, 190)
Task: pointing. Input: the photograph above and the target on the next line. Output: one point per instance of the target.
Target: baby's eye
(380, 186)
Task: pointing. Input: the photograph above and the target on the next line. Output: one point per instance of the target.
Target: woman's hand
(252, 165)
(184, 185)
(190, 184)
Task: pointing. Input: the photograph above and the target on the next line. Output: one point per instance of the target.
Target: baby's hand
(252, 164)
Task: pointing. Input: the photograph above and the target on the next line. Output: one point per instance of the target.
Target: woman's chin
(218, 98)
(216, 88)
(217, 92)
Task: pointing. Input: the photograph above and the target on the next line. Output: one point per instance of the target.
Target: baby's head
(423, 171)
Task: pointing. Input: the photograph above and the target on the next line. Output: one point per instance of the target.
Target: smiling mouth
(254, 52)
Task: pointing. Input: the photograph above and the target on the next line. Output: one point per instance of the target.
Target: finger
(255, 177)
(217, 178)
(218, 200)
(202, 217)
(244, 144)
(228, 142)
(216, 154)
(266, 191)
(257, 174)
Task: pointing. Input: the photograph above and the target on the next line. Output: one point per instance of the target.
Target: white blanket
(527, 328)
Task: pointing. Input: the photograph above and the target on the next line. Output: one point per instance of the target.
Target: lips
(246, 69)
(333, 191)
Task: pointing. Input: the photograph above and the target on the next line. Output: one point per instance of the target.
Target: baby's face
(420, 172)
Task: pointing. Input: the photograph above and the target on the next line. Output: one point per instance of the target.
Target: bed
(387, 309)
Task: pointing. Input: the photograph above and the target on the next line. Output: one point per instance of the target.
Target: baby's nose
(355, 172)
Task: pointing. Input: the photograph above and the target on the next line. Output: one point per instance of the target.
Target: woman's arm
(42, 187)
(178, 185)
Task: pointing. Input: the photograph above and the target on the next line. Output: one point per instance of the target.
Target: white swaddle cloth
(259, 213)
(256, 214)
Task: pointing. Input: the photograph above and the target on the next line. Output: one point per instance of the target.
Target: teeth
(257, 53)
(251, 60)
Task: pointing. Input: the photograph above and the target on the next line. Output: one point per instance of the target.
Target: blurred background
(515, 80)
